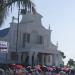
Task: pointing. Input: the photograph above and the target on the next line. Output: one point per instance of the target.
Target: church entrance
(40, 58)
(25, 59)
(33, 60)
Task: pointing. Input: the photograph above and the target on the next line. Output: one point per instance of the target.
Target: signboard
(3, 46)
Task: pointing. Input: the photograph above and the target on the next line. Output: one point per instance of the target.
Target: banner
(3, 46)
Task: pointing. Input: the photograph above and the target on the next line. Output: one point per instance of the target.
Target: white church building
(30, 42)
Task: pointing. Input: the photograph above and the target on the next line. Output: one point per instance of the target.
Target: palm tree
(6, 4)
(1, 10)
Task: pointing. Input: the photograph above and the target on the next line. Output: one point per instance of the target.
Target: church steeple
(49, 26)
(50, 32)
(57, 44)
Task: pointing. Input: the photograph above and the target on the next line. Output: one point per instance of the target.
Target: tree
(1, 10)
(71, 62)
(62, 54)
(5, 5)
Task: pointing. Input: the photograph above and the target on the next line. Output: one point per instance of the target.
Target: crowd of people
(18, 69)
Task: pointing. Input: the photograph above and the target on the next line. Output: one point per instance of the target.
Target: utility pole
(17, 32)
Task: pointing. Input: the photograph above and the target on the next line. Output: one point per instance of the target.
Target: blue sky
(60, 14)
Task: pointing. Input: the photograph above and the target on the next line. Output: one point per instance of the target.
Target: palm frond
(4, 7)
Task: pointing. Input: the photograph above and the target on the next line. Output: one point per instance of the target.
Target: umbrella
(58, 74)
(62, 73)
(29, 67)
(49, 69)
(18, 66)
(72, 68)
(43, 66)
(65, 69)
(37, 67)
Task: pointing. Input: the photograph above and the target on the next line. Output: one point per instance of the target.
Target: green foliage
(62, 54)
(71, 62)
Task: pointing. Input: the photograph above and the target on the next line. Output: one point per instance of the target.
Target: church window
(26, 38)
(49, 59)
(14, 56)
(40, 40)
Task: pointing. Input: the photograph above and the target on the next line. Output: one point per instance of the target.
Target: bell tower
(50, 33)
